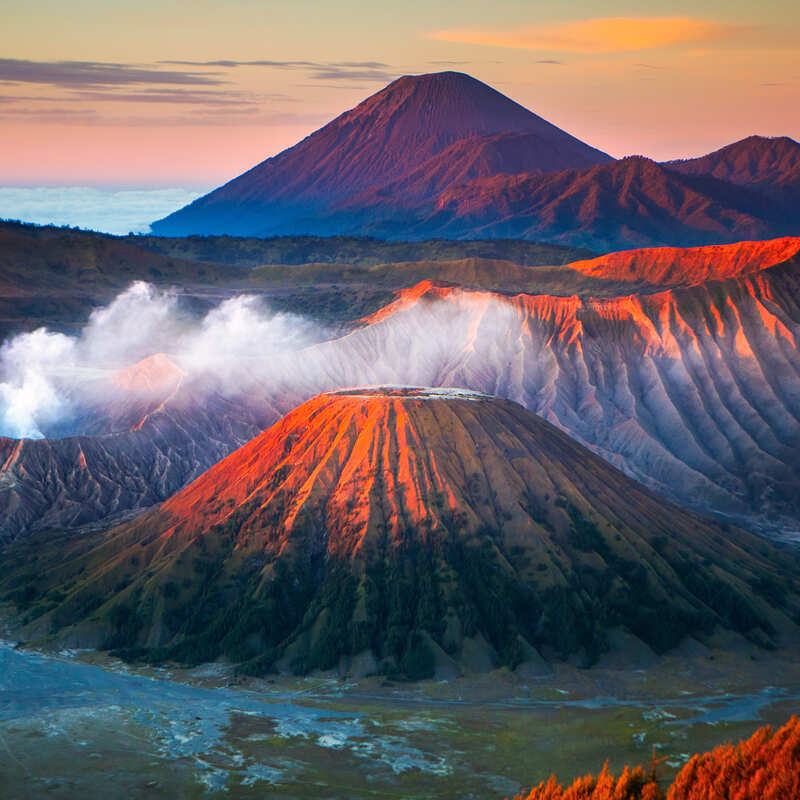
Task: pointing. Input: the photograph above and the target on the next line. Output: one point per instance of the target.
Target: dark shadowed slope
(35, 260)
(379, 141)
(411, 529)
(55, 276)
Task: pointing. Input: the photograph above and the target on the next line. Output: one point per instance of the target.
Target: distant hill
(253, 251)
(55, 276)
(407, 532)
(39, 259)
(769, 165)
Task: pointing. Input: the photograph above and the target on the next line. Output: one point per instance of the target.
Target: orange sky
(168, 94)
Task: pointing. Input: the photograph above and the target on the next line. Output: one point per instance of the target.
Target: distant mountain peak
(452, 101)
(383, 139)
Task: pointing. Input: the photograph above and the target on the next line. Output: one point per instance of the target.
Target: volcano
(677, 366)
(426, 130)
(405, 531)
(446, 156)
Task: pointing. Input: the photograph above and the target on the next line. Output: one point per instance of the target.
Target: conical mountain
(407, 529)
(384, 138)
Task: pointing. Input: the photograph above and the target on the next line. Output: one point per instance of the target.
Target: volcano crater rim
(392, 391)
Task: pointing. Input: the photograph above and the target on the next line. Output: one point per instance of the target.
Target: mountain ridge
(758, 161)
(681, 266)
(692, 390)
(444, 155)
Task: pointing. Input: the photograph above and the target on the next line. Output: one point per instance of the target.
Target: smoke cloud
(46, 378)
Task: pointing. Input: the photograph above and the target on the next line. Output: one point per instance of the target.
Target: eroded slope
(408, 529)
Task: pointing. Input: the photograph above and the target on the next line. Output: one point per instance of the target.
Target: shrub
(632, 784)
(764, 767)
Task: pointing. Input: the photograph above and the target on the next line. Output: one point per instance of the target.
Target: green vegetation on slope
(279, 557)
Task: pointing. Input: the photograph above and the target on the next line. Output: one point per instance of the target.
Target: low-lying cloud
(46, 377)
(117, 211)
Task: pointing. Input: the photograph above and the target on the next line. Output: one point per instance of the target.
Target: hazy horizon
(114, 210)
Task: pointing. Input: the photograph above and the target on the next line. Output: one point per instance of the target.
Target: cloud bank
(91, 74)
(47, 378)
(116, 211)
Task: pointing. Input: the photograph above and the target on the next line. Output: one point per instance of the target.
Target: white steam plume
(46, 376)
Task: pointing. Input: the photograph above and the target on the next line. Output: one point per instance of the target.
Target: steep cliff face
(693, 391)
(410, 527)
(135, 449)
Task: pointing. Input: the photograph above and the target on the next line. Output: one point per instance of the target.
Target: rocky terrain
(692, 389)
(136, 454)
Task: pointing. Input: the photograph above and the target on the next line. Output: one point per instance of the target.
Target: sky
(165, 94)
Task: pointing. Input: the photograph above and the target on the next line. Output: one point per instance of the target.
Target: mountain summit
(386, 137)
(405, 530)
